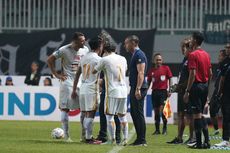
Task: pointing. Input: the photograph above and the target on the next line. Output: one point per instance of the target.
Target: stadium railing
(166, 15)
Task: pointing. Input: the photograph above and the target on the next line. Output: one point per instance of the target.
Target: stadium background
(32, 29)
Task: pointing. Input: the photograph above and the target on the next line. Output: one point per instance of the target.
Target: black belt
(159, 90)
(200, 82)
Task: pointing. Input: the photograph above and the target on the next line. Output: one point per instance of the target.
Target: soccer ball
(57, 133)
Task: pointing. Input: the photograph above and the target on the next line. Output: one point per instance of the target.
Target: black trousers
(198, 97)
(103, 122)
(226, 118)
(214, 104)
(137, 114)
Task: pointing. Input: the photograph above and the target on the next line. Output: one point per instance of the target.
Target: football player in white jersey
(89, 89)
(70, 56)
(114, 67)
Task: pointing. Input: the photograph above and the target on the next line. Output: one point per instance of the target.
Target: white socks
(65, 123)
(111, 126)
(124, 126)
(88, 126)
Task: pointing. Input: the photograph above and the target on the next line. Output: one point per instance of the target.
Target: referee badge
(163, 77)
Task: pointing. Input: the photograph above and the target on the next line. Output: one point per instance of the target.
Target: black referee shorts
(158, 98)
(182, 106)
(198, 97)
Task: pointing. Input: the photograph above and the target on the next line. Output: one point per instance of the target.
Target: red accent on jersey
(77, 57)
(74, 112)
(159, 77)
(200, 61)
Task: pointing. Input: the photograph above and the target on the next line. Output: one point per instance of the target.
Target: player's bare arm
(170, 85)
(51, 63)
(77, 76)
(140, 79)
(209, 80)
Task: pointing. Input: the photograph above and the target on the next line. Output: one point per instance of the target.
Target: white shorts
(115, 106)
(66, 102)
(89, 102)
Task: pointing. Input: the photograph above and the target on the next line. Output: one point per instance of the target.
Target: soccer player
(223, 93)
(200, 72)
(102, 136)
(214, 101)
(183, 109)
(89, 89)
(114, 67)
(139, 87)
(70, 56)
(160, 75)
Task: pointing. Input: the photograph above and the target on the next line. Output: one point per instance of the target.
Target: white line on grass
(116, 149)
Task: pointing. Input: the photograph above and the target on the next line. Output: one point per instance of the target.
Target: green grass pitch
(34, 137)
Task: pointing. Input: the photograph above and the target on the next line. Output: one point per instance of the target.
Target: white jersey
(114, 67)
(70, 60)
(89, 80)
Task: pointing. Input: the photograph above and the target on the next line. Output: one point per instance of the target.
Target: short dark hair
(133, 38)
(111, 47)
(76, 35)
(198, 37)
(223, 51)
(156, 54)
(50, 81)
(35, 62)
(95, 43)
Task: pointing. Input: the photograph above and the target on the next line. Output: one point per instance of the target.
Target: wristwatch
(138, 88)
(186, 90)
